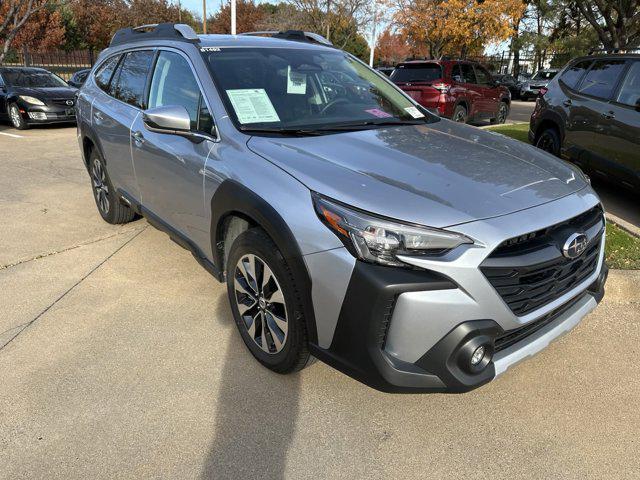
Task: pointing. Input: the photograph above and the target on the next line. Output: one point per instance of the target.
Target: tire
(16, 118)
(460, 114)
(109, 205)
(503, 112)
(284, 349)
(549, 141)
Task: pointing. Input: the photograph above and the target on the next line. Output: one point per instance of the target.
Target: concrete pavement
(122, 361)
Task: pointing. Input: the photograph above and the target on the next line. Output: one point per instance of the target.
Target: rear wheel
(16, 117)
(108, 202)
(459, 114)
(265, 302)
(549, 141)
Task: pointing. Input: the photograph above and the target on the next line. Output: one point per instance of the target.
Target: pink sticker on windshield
(378, 113)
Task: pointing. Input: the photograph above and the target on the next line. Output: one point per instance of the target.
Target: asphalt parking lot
(119, 359)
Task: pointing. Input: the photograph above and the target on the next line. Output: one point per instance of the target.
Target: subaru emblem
(575, 245)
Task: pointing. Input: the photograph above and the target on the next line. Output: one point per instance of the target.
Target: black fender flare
(233, 198)
(88, 133)
(553, 117)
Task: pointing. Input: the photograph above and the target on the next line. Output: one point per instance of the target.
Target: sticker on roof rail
(252, 105)
(210, 49)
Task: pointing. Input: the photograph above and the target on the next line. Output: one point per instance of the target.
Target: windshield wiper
(284, 131)
(368, 124)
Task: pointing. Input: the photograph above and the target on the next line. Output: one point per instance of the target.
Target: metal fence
(60, 62)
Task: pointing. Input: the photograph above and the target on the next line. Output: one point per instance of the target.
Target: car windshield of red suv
(423, 72)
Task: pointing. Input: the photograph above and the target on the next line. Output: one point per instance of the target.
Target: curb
(630, 228)
(483, 127)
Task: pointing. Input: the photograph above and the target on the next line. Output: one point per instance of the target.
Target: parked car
(459, 90)
(32, 96)
(408, 251)
(386, 70)
(78, 78)
(530, 88)
(510, 82)
(590, 114)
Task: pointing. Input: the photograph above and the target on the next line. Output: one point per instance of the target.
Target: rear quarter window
(105, 72)
(572, 75)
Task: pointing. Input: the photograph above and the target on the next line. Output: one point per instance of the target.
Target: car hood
(46, 93)
(439, 174)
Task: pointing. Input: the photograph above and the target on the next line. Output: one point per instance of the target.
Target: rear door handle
(567, 103)
(137, 137)
(98, 116)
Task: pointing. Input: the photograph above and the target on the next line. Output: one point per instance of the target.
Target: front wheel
(549, 141)
(265, 302)
(16, 118)
(503, 111)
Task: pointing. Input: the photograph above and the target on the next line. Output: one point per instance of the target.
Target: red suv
(460, 90)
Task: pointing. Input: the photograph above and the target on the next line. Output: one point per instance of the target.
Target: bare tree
(13, 15)
(617, 23)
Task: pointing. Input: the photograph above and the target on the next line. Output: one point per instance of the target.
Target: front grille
(62, 102)
(514, 336)
(530, 271)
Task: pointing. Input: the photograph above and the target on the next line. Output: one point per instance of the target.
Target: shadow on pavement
(255, 416)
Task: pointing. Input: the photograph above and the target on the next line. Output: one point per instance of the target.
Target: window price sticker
(252, 105)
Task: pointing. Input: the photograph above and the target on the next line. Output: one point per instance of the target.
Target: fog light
(478, 355)
(38, 115)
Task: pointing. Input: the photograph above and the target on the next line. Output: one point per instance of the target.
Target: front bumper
(38, 114)
(403, 330)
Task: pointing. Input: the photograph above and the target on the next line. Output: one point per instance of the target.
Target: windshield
(544, 75)
(301, 88)
(417, 73)
(23, 78)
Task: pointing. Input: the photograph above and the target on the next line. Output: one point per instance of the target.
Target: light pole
(204, 16)
(373, 32)
(233, 17)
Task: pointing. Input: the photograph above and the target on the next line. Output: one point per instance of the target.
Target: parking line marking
(11, 135)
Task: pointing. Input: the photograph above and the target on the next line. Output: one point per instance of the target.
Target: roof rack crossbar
(155, 31)
(605, 51)
(295, 35)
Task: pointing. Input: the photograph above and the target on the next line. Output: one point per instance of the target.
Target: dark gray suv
(349, 224)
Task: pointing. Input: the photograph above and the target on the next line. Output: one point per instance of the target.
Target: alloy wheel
(100, 187)
(502, 113)
(261, 303)
(459, 116)
(14, 113)
(546, 143)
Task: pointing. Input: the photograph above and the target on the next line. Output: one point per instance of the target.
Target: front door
(170, 167)
(490, 93)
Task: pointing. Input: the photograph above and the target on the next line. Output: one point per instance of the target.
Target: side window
(482, 76)
(173, 83)
(105, 72)
(630, 90)
(456, 74)
(602, 78)
(132, 77)
(572, 75)
(467, 73)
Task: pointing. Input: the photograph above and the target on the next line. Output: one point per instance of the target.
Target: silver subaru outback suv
(351, 225)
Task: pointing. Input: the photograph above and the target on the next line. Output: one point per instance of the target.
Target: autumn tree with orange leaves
(456, 27)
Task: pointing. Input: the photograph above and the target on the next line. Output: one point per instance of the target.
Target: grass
(622, 249)
(519, 131)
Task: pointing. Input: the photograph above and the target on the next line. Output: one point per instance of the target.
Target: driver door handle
(137, 137)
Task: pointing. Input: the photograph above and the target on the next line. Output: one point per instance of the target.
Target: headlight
(380, 240)
(31, 100)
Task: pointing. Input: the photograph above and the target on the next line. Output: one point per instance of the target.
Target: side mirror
(638, 105)
(170, 119)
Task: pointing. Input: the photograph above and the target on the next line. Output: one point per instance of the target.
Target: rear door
(623, 128)
(114, 113)
(587, 130)
(417, 79)
(471, 91)
(170, 167)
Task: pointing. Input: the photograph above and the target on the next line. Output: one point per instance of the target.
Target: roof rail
(605, 51)
(155, 31)
(295, 35)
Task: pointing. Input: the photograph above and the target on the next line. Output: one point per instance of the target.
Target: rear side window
(132, 77)
(420, 72)
(173, 83)
(572, 75)
(630, 90)
(602, 78)
(105, 72)
(466, 73)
